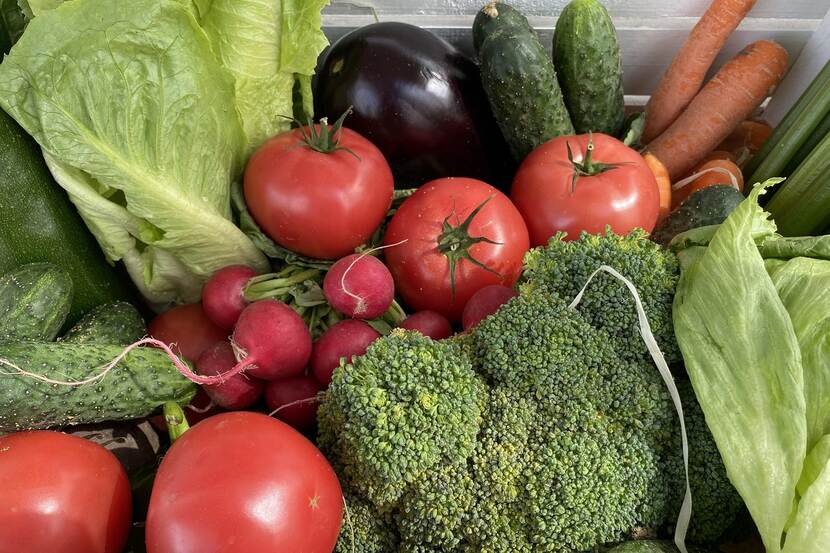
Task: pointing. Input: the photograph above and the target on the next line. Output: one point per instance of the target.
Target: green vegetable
(708, 206)
(531, 433)
(12, 23)
(494, 17)
(34, 302)
(148, 167)
(654, 546)
(821, 130)
(40, 224)
(135, 387)
(793, 131)
(586, 54)
(801, 205)
(116, 323)
(520, 83)
(754, 335)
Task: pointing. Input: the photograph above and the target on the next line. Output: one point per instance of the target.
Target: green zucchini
(801, 206)
(586, 54)
(709, 206)
(34, 302)
(135, 387)
(793, 131)
(116, 323)
(520, 82)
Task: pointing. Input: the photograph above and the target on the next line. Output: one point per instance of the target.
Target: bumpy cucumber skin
(709, 206)
(117, 323)
(35, 300)
(521, 84)
(586, 54)
(493, 17)
(135, 387)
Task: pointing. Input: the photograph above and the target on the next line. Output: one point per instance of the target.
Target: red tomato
(61, 494)
(496, 238)
(625, 195)
(243, 482)
(188, 329)
(319, 204)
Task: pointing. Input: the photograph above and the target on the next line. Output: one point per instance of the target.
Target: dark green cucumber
(586, 54)
(135, 387)
(34, 302)
(117, 323)
(520, 82)
(493, 17)
(709, 206)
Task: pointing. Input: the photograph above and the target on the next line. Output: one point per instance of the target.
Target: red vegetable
(343, 340)
(458, 235)
(565, 185)
(61, 494)
(359, 286)
(320, 192)
(244, 482)
(294, 400)
(237, 392)
(222, 295)
(484, 303)
(428, 323)
(187, 329)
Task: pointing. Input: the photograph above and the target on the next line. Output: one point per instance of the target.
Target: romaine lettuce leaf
(129, 103)
(810, 531)
(743, 358)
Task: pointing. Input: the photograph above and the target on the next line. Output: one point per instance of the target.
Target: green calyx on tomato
(588, 168)
(323, 139)
(455, 243)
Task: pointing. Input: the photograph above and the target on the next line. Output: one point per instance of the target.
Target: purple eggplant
(418, 99)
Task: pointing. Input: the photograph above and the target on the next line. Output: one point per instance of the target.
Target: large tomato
(61, 494)
(611, 186)
(319, 196)
(451, 238)
(244, 483)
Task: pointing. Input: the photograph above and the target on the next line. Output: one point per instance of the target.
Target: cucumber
(586, 54)
(117, 323)
(520, 82)
(493, 17)
(709, 206)
(34, 302)
(135, 387)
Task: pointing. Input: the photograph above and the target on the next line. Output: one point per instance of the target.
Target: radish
(237, 392)
(484, 303)
(187, 329)
(294, 400)
(223, 295)
(271, 341)
(359, 286)
(344, 340)
(429, 323)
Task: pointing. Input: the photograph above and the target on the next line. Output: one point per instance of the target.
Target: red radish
(237, 392)
(359, 286)
(429, 323)
(271, 341)
(222, 295)
(294, 400)
(343, 340)
(484, 303)
(187, 329)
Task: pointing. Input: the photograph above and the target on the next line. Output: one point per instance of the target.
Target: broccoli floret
(364, 530)
(563, 267)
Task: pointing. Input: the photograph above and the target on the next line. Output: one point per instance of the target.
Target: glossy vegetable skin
(61, 494)
(244, 483)
(416, 98)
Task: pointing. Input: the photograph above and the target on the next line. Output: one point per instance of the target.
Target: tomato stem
(455, 243)
(587, 168)
(175, 420)
(325, 140)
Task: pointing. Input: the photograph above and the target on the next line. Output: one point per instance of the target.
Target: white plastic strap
(692, 178)
(651, 344)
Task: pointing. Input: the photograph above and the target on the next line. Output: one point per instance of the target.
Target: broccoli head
(563, 267)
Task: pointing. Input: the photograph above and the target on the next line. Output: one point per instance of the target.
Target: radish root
(314, 399)
(360, 308)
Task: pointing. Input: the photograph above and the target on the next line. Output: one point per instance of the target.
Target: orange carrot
(718, 154)
(663, 184)
(688, 69)
(733, 94)
(711, 173)
(746, 140)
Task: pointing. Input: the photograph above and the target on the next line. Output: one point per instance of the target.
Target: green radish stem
(175, 420)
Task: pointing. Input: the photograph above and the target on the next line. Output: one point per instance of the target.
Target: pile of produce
(261, 295)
